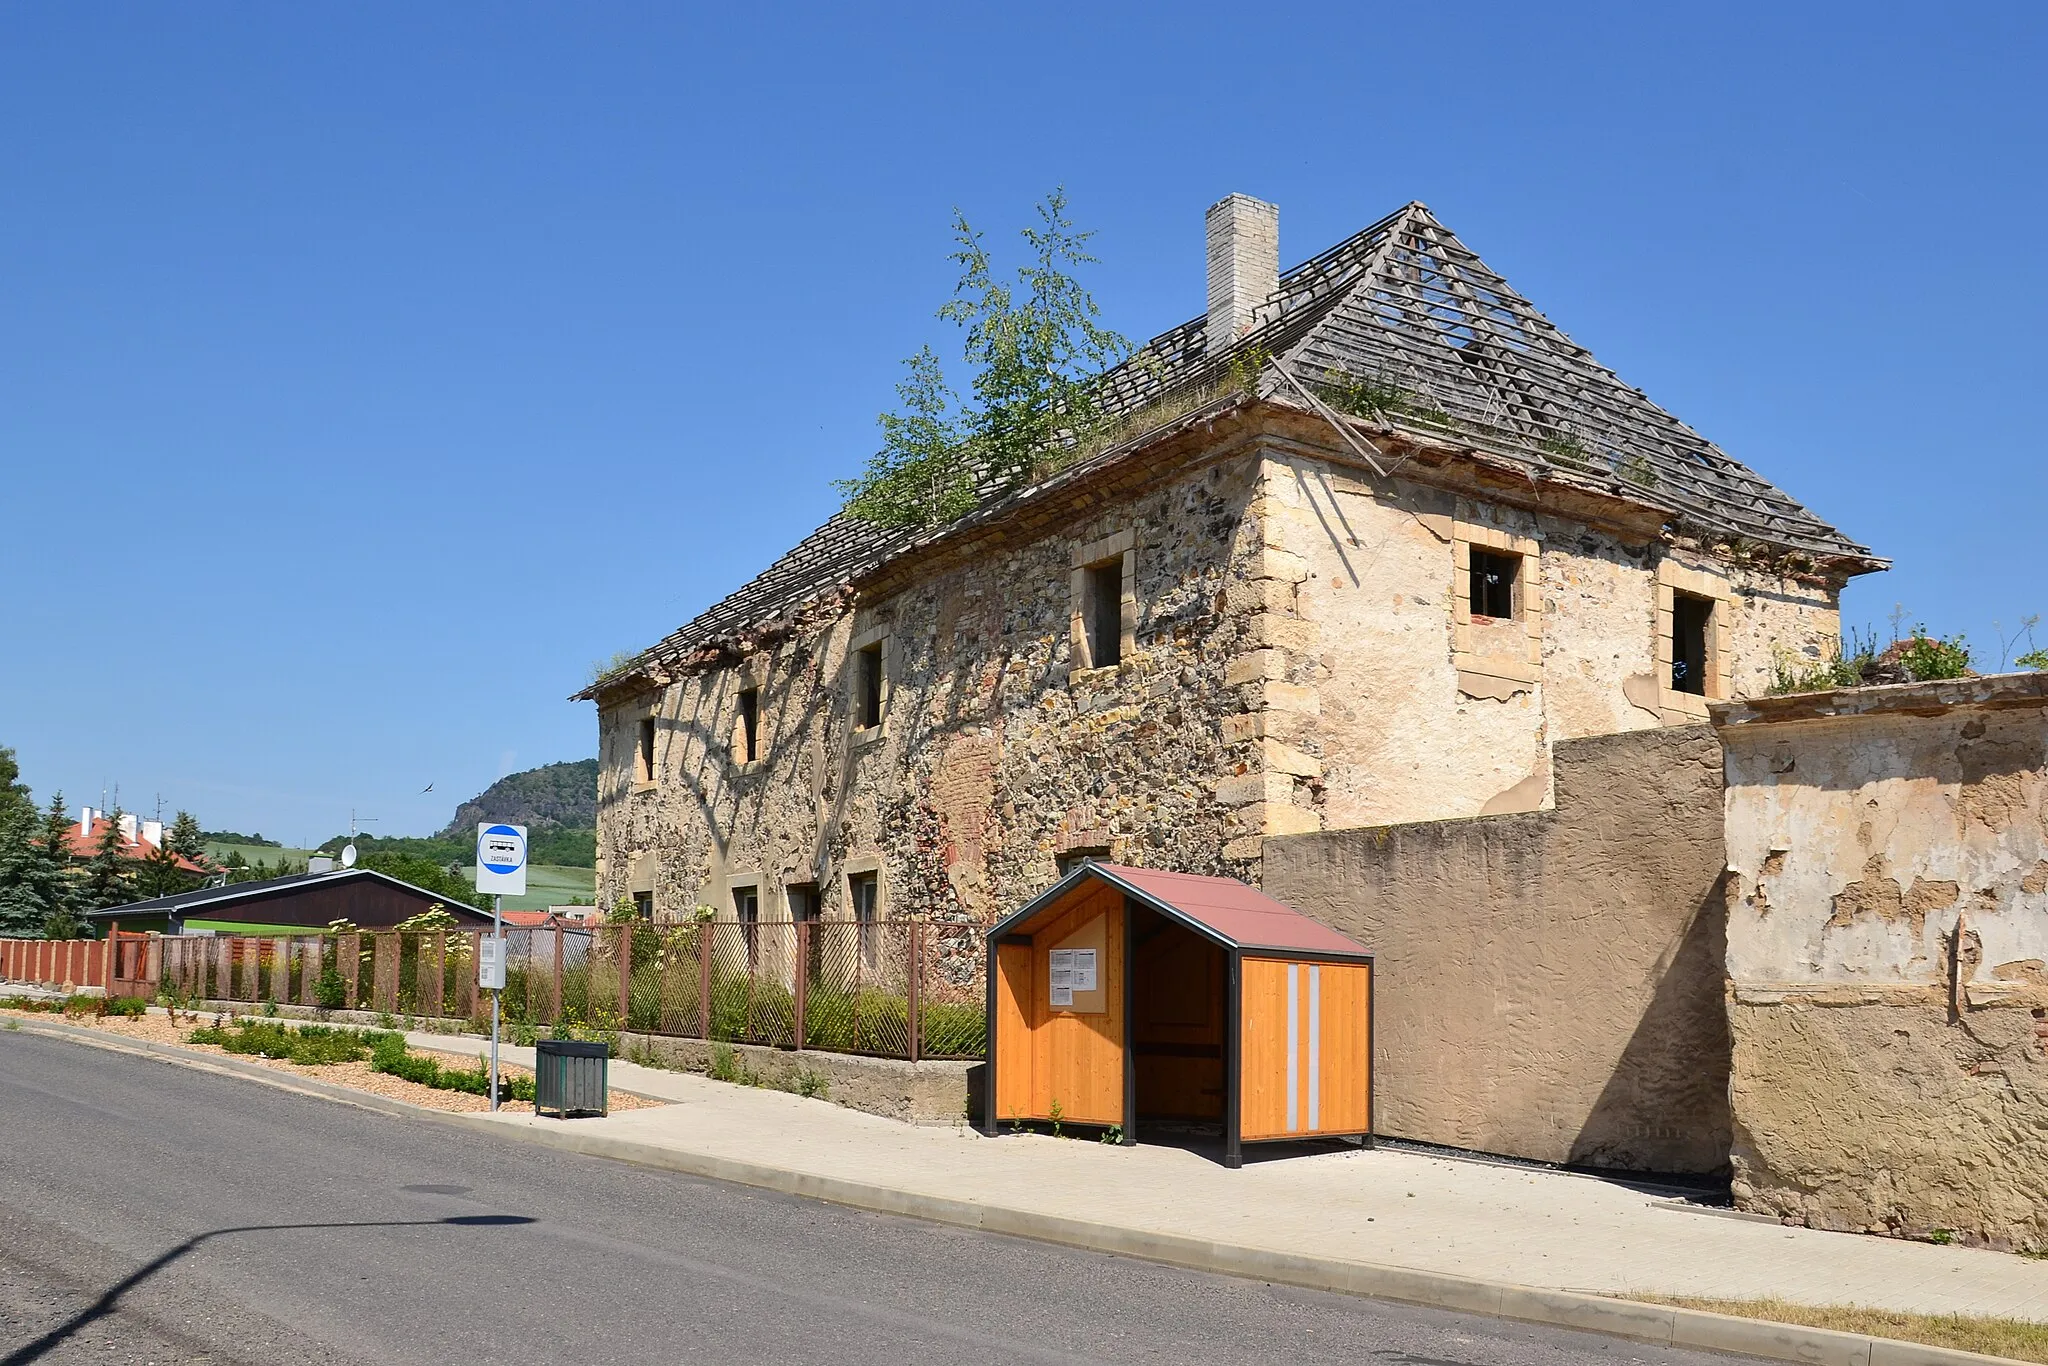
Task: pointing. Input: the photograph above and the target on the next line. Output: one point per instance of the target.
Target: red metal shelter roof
(1237, 915)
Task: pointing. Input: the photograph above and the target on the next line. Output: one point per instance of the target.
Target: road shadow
(104, 1305)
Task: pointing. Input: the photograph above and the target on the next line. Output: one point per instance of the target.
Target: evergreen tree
(109, 875)
(22, 907)
(160, 874)
(36, 876)
(64, 924)
(13, 792)
(186, 841)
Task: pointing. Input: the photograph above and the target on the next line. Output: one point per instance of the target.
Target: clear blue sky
(368, 370)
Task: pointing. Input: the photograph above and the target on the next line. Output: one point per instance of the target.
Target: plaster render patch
(1490, 687)
(1527, 795)
(1640, 691)
(1879, 895)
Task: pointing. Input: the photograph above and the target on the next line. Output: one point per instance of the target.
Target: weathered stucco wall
(1548, 983)
(1293, 661)
(1887, 934)
(1406, 726)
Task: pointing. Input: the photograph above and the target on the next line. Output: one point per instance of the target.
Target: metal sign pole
(498, 934)
(500, 868)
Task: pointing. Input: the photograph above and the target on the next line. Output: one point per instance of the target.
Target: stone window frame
(873, 636)
(1095, 555)
(800, 877)
(1683, 708)
(630, 719)
(643, 870)
(755, 881)
(869, 942)
(1489, 675)
(751, 674)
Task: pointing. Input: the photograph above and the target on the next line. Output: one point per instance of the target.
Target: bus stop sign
(501, 859)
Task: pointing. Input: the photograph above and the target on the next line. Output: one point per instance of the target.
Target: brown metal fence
(892, 988)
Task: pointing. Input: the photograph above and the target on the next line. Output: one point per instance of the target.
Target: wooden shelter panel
(1075, 1057)
(1307, 1050)
(1346, 1052)
(1262, 1075)
(1017, 1045)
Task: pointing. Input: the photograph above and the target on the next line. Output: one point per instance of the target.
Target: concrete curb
(1661, 1325)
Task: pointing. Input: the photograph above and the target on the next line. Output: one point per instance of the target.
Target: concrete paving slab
(1390, 1208)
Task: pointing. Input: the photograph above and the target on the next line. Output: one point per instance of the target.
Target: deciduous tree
(1034, 348)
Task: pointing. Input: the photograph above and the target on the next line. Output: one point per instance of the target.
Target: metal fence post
(916, 1011)
(803, 975)
(556, 992)
(625, 975)
(348, 948)
(703, 980)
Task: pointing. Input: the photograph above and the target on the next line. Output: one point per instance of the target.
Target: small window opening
(643, 905)
(646, 753)
(1495, 578)
(803, 900)
(804, 906)
(750, 725)
(1690, 618)
(866, 890)
(746, 908)
(1102, 612)
(867, 682)
(1074, 858)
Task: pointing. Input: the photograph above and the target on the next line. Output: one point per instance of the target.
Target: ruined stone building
(1369, 538)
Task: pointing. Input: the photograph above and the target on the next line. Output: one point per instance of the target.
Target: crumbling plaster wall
(1548, 984)
(1887, 930)
(996, 755)
(1397, 736)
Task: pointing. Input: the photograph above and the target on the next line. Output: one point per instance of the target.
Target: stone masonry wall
(997, 753)
(1887, 931)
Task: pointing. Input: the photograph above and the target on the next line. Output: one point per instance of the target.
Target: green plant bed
(390, 1057)
(307, 1045)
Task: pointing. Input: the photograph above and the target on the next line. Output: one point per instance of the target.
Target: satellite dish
(348, 856)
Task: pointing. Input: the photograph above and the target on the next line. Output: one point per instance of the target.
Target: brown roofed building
(1371, 536)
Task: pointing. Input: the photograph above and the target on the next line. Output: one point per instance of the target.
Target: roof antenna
(348, 851)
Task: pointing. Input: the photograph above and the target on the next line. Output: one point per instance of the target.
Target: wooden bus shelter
(1127, 995)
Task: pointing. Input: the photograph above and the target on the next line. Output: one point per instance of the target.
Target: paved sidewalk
(1495, 1223)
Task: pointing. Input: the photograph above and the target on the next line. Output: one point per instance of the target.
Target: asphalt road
(155, 1213)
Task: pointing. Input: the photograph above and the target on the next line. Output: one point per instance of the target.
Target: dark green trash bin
(569, 1078)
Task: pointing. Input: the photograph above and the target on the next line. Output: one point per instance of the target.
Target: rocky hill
(554, 796)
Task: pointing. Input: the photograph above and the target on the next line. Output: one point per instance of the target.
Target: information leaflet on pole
(501, 859)
(490, 962)
(1072, 970)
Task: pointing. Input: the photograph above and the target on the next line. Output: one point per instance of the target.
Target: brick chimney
(1244, 265)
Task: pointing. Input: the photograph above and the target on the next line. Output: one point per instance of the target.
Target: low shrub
(390, 1057)
(308, 1045)
(128, 1007)
(954, 1030)
(331, 991)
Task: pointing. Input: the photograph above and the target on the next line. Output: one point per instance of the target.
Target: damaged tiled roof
(1405, 306)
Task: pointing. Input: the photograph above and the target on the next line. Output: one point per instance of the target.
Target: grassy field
(2018, 1339)
(549, 885)
(254, 852)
